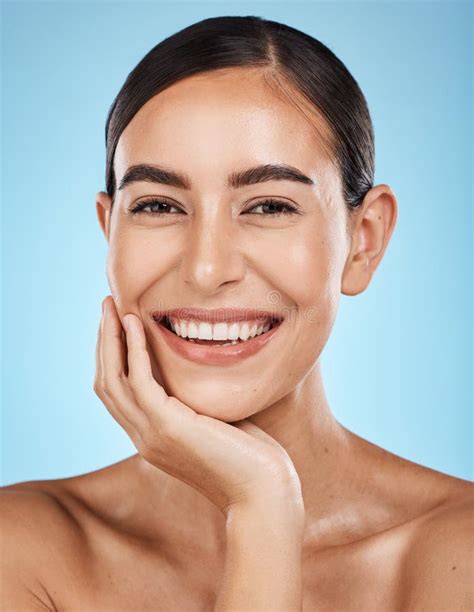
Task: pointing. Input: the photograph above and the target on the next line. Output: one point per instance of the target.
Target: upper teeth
(219, 331)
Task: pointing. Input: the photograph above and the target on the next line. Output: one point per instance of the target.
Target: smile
(217, 343)
(218, 334)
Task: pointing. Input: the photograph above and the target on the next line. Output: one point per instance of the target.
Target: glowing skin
(215, 256)
(379, 532)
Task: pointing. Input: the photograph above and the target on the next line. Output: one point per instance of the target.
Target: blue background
(398, 364)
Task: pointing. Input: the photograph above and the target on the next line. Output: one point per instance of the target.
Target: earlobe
(103, 204)
(371, 232)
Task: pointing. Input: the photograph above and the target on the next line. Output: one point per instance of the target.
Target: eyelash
(139, 208)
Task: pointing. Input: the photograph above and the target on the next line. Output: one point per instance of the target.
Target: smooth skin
(245, 492)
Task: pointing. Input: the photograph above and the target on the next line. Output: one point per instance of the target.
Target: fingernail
(126, 322)
(104, 305)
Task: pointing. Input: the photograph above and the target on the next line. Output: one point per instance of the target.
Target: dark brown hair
(291, 57)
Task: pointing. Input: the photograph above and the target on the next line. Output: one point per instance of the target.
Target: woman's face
(206, 250)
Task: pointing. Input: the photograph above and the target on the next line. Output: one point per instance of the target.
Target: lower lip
(216, 355)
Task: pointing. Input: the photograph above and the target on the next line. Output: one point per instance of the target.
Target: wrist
(263, 564)
(280, 507)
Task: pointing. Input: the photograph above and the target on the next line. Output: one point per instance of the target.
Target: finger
(98, 386)
(132, 431)
(98, 370)
(115, 385)
(149, 394)
(115, 346)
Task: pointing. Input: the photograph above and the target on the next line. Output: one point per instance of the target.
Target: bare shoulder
(31, 508)
(37, 535)
(439, 564)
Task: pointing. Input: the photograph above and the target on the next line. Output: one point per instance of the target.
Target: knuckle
(110, 389)
(122, 378)
(97, 386)
(107, 387)
(109, 384)
(132, 380)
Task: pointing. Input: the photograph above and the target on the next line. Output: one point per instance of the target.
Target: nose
(211, 258)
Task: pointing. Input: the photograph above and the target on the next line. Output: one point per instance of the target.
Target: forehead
(222, 120)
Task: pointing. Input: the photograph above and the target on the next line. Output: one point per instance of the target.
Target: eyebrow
(152, 173)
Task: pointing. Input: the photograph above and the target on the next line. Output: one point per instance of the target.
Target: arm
(240, 468)
(263, 558)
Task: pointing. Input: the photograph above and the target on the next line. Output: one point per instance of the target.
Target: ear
(372, 227)
(103, 204)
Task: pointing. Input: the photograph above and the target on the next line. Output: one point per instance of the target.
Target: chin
(222, 401)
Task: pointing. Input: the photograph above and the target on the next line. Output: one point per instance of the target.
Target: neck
(334, 466)
(303, 424)
(320, 448)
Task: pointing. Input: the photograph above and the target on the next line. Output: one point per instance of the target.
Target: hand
(231, 464)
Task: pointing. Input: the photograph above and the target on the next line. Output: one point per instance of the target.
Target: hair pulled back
(288, 55)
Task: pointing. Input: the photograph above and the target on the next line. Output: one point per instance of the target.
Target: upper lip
(228, 315)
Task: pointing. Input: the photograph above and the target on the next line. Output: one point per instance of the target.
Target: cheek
(134, 263)
(308, 272)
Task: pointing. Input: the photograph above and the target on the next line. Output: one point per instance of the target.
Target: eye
(273, 208)
(156, 206)
(161, 207)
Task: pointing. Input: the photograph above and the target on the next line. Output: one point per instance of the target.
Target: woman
(240, 204)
